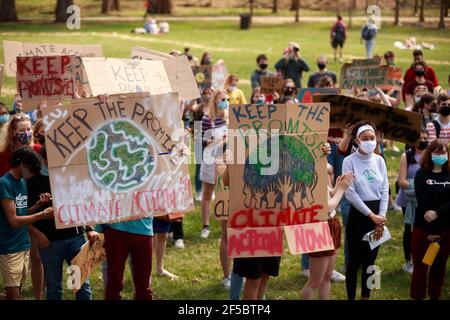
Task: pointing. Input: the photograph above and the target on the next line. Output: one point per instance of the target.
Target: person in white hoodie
(368, 196)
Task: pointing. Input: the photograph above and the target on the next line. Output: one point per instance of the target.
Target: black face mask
(288, 91)
(423, 145)
(321, 66)
(420, 73)
(40, 138)
(445, 111)
(263, 66)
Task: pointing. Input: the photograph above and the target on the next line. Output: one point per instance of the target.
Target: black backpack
(339, 33)
(437, 126)
(368, 33)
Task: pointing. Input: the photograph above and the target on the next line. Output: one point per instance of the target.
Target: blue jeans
(305, 261)
(370, 44)
(53, 261)
(198, 183)
(335, 160)
(235, 286)
(345, 209)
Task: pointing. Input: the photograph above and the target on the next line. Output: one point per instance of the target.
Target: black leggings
(177, 228)
(407, 235)
(359, 252)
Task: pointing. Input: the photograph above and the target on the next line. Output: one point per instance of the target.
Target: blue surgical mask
(439, 159)
(44, 170)
(222, 105)
(4, 118)
(24, 137)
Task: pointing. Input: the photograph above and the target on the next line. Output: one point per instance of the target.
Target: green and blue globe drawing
(119, 157)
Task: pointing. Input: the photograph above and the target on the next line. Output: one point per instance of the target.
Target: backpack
(437, 126)
(368, 33)
(339, 33)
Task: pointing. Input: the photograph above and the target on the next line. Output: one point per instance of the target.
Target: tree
(275, 6)
(110, 5)
(351, 6)
(61, 14)
(8, 11)
(415, 7)
(422, 7)
(442, 15)
(397, 13)
(252, 5)
(297, 9)
(161, 6)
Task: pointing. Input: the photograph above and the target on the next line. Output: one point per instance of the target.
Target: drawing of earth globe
(119, 157)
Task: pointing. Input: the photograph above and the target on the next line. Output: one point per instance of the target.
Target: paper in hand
(370, 236)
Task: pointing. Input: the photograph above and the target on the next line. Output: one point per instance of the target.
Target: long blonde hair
(212, 107)
(11, 142)
(229, 79)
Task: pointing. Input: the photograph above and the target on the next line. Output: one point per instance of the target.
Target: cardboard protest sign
(368, 73)
(222, 195)
(275, 180)
(2, 70)
(203, 76)
(396, 124)
(148, 54)
(305, 95)
(45, 78)
(219, 74)
(309, 237)
(116, 160)
(14, 49)
(89, 257)
(271, 84)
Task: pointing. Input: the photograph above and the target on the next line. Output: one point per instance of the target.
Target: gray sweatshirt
(371, 181)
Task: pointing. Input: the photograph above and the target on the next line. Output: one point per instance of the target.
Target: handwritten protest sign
(116, 160)
(396, 124)
(45, 77)
(14, 49)
(368, 73)
(309, 237)
(222, 196)
(89, 257)
(178, 71)
(272, 84)
(203, 76)
(305, 95)
(280, 179)
(219, 74)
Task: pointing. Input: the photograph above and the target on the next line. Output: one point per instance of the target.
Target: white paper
(369, 236)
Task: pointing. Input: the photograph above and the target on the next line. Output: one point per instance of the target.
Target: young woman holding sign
(368, 196)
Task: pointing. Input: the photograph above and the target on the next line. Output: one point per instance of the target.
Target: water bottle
(431, 254)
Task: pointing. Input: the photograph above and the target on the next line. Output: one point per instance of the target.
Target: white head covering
(364, 128)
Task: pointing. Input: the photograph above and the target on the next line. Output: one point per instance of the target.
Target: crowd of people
(358, 188)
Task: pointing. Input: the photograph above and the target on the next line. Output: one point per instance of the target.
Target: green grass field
(198, 264)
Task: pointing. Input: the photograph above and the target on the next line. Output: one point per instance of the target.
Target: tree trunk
(110, 5)
(351, 6)
(162, 7)
(275, 6)
(297, 9)
(416, 2)
(441, 19)
(61, 14)
(8, 11)
(252, 4)
(397, 13)
(422, 7)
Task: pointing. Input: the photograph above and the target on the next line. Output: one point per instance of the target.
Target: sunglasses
(225, 99)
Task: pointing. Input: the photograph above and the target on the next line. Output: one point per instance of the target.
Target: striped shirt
(443, 135)
(207, 124)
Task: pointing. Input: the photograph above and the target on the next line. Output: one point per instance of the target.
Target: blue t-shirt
(13, 240)
(143, 226)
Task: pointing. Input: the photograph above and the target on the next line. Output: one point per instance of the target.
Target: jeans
(345, 209)
(305, 262)
(335, 160)
(235, 286)
(370, 44)
(198, 183)
(53, 262)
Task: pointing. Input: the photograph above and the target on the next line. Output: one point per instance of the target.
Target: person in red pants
(432, 221)
(134, 238)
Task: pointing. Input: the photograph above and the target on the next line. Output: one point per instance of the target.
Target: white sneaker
(213, 196)
(205, 233)
(167, 274)
(179, 244)
(408, 267)
(305, 272)
(395, 207)
(226, 282)
(337, 277)
(198, 196)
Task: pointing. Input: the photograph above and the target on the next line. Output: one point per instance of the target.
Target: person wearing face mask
(39, 132)
(19, 133)
(4, 115)
(289, 92)
(426, 106)
(440, 127)
(420, 68)
(406, 198)
(15, 217)
(234, 93)
(262, 71)
(315, 78)
(368, 195)
(292, 66)
(52, 245)
(258, 97)
(432, 221)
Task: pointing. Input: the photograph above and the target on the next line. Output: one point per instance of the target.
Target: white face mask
(368, 146)
(231, 88)
(417, 99)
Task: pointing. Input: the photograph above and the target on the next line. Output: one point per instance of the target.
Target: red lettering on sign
(252, 241)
